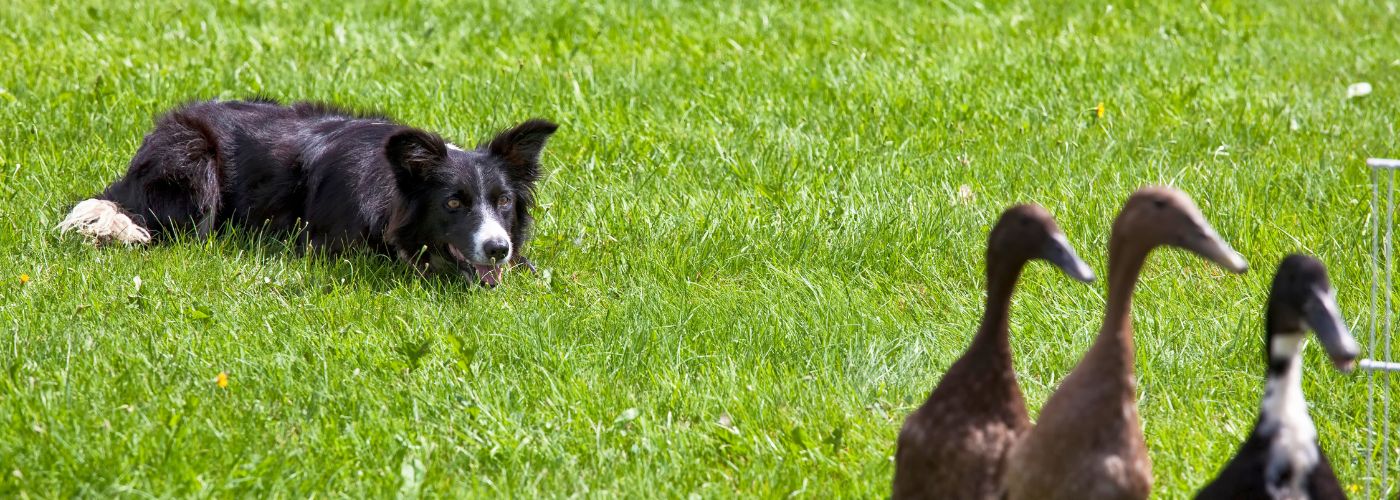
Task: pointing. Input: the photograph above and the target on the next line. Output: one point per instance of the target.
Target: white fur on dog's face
(489, 232)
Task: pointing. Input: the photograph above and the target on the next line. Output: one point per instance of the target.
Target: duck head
(1302, 299)
(1156, 216)
(1028, 232)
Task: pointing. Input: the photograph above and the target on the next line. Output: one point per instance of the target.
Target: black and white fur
(336, 179)
(1281, 459)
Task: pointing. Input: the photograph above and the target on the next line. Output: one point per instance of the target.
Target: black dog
(335, 178)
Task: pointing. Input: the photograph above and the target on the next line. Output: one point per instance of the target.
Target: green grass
(752, 218)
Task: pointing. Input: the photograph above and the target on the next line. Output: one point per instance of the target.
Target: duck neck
(1125, 262)
(994, 332)
(1284, 408)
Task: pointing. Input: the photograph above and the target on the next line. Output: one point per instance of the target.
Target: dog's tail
(102, 221)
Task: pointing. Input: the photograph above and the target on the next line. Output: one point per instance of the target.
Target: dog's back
(258, 164)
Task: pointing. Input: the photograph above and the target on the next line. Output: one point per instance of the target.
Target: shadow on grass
(360, 265)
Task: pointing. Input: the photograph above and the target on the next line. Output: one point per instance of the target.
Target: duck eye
(454, 203)
(504, 201)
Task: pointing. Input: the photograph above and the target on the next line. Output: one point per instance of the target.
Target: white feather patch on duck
(1285, 422)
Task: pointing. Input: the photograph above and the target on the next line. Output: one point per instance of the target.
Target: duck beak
(1322, 315)
(1211, 246)
(1059, 252)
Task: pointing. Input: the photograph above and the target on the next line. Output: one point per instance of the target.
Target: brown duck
(954, 445)
(1281, 459)
(1087, 443)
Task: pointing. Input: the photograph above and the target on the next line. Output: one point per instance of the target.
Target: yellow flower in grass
(1098, 111)
(222, 380)
(24, 279)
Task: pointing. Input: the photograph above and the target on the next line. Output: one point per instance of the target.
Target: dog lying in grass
(335, 179)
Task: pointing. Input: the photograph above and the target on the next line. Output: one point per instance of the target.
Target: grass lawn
(755, 258)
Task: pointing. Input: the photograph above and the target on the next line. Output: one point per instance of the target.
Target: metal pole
(1367, 364)
(1389, 329)
(1371, 376)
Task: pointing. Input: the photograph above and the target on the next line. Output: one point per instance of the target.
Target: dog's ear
(415, 154)
(520, 148)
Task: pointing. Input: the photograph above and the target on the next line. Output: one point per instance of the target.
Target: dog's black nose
(496, 249)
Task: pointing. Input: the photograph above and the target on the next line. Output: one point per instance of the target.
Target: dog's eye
(454, 203)
(504, 202)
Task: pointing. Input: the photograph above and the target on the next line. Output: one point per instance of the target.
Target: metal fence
(1380, 362)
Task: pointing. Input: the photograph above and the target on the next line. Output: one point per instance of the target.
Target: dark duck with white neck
(1087, 443)
(954, 445)
(1281, 459)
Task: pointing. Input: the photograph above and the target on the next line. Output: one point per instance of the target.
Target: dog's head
(461, 210)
